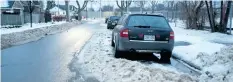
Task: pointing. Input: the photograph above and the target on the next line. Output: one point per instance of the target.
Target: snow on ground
(201, 41)
(97, 57)
(24, 35)
(218, 67)
(94, 21)
(27, 27)
(212, 52)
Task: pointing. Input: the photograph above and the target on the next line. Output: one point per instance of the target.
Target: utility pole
(86, 12)
(100, 10)
(91, 8)
(67, 10)
(30, 10)
(231, 12)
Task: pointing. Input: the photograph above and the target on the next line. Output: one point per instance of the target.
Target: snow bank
(28, 35)
(27, 27)
(97, 57)
(201, 42)
(218, 66)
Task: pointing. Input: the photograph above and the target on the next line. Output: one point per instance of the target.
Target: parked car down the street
(106, 20)
(112, 21)
(143, 33)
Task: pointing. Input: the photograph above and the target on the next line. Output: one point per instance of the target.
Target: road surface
(45, 60)
(48, 59)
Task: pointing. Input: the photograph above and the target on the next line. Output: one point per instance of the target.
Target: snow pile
(201, 42)
(27, 27)
(217, 67)
(97, 57)
(28, 35)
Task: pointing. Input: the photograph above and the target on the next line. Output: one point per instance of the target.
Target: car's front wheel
(165, 56)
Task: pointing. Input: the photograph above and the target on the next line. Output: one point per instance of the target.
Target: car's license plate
(149, 37)
(113, 23)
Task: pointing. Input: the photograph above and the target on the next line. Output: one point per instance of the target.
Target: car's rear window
(146, 20)
(114, 17)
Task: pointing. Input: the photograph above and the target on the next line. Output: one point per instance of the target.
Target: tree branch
(118, 4)
(78, 4)
(84, 5)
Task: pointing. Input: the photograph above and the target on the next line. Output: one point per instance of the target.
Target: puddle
(181, 43)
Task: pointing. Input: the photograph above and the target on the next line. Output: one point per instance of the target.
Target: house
(36, 7)
(60, 10)
(11, 16)
(18, 12)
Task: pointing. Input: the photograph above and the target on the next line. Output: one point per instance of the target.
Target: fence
(11, 16)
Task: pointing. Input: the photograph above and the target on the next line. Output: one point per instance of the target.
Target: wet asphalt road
(45, 60)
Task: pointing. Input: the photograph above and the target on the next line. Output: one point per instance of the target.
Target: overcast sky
(95, 5)
(3, 3)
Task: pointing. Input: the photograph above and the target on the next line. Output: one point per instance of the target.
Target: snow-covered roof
(56, 9)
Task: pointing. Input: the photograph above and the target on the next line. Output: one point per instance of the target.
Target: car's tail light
(124, 33)
(172, 35)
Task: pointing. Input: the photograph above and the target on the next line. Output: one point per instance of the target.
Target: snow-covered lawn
(97, 57)
(211, 52)
(200, 42)
(27, 27)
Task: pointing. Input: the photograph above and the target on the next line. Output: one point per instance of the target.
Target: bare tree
(47, 14)
(172, 7)
(123, 5)
(191, 12)
(81, 8)
(50, 4)
(210, 15)
(141, 5)
(226, 16)
(153, 4)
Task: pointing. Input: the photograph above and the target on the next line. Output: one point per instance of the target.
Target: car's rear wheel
(117, 54)
(165, 56)
(112, 43)
(107, 27)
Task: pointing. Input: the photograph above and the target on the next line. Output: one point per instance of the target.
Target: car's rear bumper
(145, 46)
(110, 25)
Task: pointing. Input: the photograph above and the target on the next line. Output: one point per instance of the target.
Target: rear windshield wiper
(140, 26)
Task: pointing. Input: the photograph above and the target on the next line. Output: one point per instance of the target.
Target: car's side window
(124, 20)
(121, 19)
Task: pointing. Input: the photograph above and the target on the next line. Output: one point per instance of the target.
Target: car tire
(108, 27)
(165, 57)
(112, 43)
(117, 54)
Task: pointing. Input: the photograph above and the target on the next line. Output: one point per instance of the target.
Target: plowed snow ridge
(97, 57)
